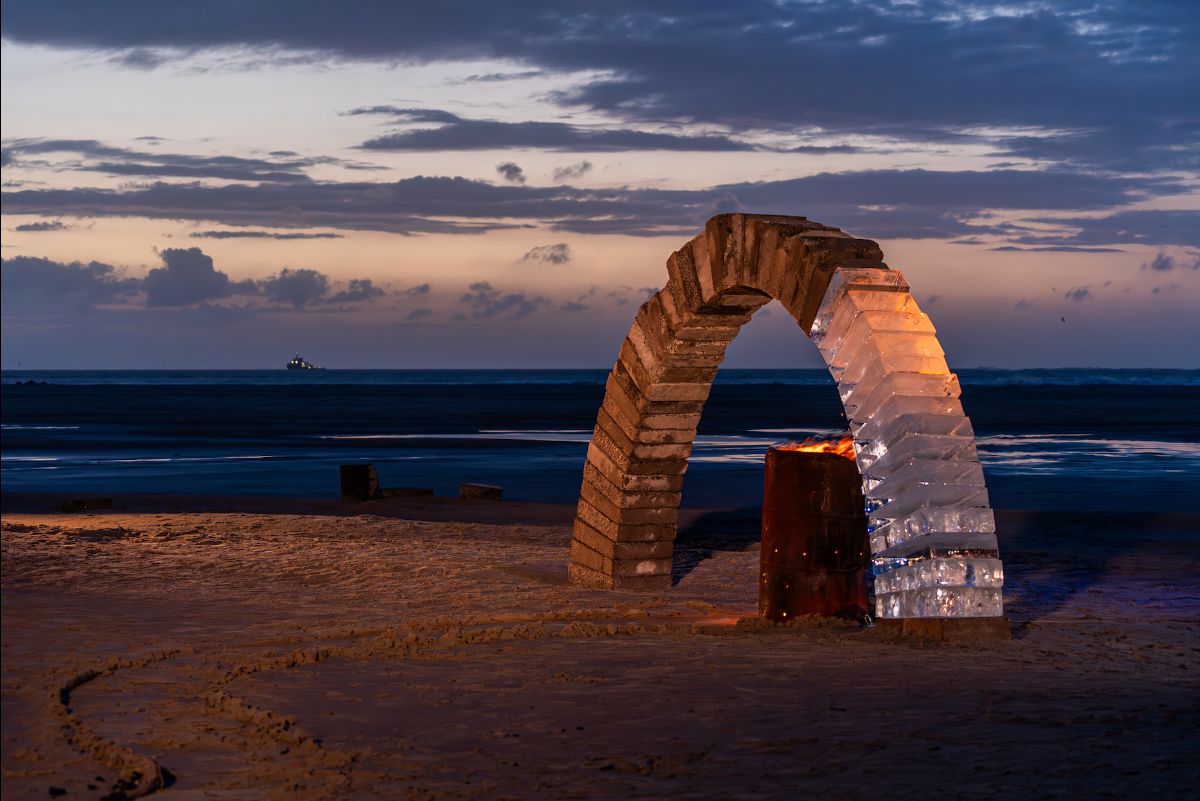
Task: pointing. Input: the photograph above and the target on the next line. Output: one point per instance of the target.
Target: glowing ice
(931, 526)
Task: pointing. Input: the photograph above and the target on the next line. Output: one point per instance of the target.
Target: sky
(469, 184)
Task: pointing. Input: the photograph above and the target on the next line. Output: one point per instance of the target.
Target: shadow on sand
(703, 533)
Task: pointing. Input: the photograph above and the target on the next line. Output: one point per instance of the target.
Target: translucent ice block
(879, 439)
(920, 446)
(870, 371)
(848, 348)
(940, 602)
(862, 401)
(942, 572)
(918, 502)
(846, 280)
(898, 406)
(926, 471)
(849, 321)
(935, 527)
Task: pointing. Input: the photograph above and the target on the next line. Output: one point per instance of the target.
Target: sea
(1072, 439)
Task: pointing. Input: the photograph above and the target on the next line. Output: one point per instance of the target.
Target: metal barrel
(814, 551)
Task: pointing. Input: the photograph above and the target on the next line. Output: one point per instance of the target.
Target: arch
(932, 531)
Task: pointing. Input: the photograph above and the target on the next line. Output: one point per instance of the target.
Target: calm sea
(1049, 439)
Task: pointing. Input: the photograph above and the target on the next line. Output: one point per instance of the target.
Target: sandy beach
(213, 648)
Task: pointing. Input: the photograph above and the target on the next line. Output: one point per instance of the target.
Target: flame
(839, 447)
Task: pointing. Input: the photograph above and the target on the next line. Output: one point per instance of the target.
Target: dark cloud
(576, 170)
(1049, 249)
(484, 301)
(419, 313)
(96, 156)
(1142, 227)
(1168, 145)
(824, 150)
(458, 133)
(31, 284)
(42, 226)
(263, 235)
(1161, 263)
(559, 253)
(416, 291)
(877, 203)
(188, 276)
(496, 77)
(1079, 293)
(299, 287)
(357, 290)
(1165, 263)
(1085, 82)
(511, 172)
(573, 307)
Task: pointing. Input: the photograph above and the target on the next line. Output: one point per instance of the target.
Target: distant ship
(297, 363)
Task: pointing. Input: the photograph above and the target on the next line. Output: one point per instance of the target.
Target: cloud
(1165, 262)
(95, 156)
(299, 287)
(484, 301)
(188, 276)
(263, 235)
(42, 226)
(1076, 82)
(1161, 263)
(559, 253)
(918, 204)
(1141, 227)
(416, 291)
(457, 133)
(495, 77)
(573, 307)
(358, 289)
(32, 285)
(419, 313)
(576, 170)
(1049, 249)
(1079, 293)
(511, 172)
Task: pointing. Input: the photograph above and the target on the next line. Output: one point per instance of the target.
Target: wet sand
(223, 648)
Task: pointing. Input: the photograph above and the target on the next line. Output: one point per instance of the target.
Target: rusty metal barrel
(815, 550)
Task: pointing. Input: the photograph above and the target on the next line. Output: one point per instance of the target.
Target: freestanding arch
(931, 528)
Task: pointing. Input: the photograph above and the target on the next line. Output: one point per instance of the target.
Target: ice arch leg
(932, 531)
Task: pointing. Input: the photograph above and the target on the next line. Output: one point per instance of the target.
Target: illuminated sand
(329, 656)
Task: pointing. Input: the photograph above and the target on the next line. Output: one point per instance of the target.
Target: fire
(838, 447)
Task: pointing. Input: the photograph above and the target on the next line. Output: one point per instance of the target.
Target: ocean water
(1113, 440)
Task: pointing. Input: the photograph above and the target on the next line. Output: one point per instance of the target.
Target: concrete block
(359, 482)
(488, 492)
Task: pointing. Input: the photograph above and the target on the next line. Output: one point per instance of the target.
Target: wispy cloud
(576, 170)
(41, 226)
(511, 172)
(282, 235)
(919, 204)
(453, 132)
(559, 253)
(484, 301)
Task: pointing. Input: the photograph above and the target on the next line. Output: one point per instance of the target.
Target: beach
(272, 648)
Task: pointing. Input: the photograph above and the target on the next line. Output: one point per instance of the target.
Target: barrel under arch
(932, 531)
